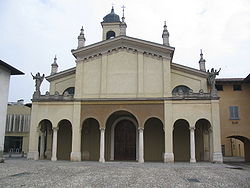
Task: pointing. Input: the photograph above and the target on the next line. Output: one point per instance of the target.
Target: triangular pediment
(122, 42)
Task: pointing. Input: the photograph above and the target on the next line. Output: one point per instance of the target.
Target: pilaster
(34, 135)
(140, 84)
(104, 74)
(168, 130)
(76, 133)
(217, 154)
(166, 77)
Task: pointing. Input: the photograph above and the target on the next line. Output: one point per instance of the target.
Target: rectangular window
(237, 87)
(234, 114)
(219, 87)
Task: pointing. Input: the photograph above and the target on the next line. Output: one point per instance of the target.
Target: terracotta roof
(13, 70)
(229, 79)
(247, 79)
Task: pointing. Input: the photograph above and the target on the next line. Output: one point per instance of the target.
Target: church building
(125, 100)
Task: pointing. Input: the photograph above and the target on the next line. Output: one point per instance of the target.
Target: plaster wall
(240, 127)
(19, 109)
(192, 111)
(4, 90)
(62, 83)
(53, 111)
(122, 74)
(192, 81)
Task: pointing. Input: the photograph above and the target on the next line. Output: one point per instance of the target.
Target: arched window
(69, 91)
(181, 89)
(110, 34)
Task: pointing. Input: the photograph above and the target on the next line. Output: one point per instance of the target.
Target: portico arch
(203, 140)
(64, 140)
(153, 140)
(90, 140)
(45, 139)
(121, 136)
(181, 140)
(246, 142)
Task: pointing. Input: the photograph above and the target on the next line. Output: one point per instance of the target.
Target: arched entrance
(203, 136)
(181, 138)
(125, 141)
(64, 140)
(45, 139)
(90, 140)
(246, 142)
(121, 137)
(153, 140)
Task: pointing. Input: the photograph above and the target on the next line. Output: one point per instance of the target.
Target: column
(192, 145)
(141, 146)
(42, 144)
(49, 143)
(102, 143)
(54, 146)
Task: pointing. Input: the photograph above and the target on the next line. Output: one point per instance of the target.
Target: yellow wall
(61, 84)
(241, 127)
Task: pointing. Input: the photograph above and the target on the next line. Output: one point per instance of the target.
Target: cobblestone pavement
(26, 173)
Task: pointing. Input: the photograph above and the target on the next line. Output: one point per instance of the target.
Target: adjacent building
(6, 71)
(17, 127)
(125, 99)
(235, 116)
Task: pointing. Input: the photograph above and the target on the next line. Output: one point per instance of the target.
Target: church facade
(125, 100)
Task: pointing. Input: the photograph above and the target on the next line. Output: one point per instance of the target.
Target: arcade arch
(203, 140)
(181, 140)
(64, 140)
(121, 136)
(154, 143)
(90, 140)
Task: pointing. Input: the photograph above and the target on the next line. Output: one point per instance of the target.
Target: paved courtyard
(25, 173)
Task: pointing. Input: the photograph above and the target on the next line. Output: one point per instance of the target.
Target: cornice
(61, 74)
(189, 70)
(123, 42)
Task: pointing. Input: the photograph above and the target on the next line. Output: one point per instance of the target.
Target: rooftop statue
(211, 79)
(38, 81)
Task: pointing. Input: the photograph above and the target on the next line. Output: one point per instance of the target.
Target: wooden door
(125, 141)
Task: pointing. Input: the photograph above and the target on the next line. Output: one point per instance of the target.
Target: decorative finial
(82, 30)
(81, 39)
(123, 7)
(112, 9)
(201, 54)
(202, 62)
(55, 59)
(165, 35)
(54, 66)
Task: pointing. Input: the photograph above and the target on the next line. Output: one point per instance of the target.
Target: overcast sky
(33, 31)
